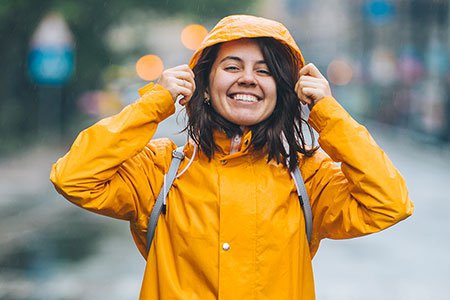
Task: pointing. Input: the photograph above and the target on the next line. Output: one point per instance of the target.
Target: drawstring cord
(164, 190)
(190, 161)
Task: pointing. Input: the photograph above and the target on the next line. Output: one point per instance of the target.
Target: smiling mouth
(244, 97)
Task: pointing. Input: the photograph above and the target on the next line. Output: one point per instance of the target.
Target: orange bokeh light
(193, 35)
(340, 72)
(149, 67)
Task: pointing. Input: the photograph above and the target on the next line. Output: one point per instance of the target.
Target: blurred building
(397, 51)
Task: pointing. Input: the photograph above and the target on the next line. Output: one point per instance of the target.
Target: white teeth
(245, 98)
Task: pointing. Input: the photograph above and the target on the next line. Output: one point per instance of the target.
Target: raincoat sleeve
(362, 195)
(111, 168)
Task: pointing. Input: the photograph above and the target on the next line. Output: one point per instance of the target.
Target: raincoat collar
(223, 143)
(236, 27)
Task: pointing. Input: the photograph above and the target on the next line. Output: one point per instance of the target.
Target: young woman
(233, 227)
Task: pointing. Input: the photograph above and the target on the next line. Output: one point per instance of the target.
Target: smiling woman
(241, 87)
(250, 83)
(233, 226)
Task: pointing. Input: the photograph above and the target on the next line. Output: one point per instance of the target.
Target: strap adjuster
(178, 154)
(300, 197)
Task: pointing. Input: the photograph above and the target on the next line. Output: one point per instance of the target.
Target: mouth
(244, 97)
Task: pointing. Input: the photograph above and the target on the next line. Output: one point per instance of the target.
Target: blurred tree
(89, 21)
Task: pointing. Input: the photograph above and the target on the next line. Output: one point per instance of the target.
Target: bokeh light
(193, 35)
(410, 65)
(100, 103)
(340, 72)
(149, 67)
(383, 66)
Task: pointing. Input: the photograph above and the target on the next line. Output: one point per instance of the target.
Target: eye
(264, 71)
(231, 68)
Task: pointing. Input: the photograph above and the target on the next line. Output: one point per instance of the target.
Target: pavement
(50, 249)
(408, 261)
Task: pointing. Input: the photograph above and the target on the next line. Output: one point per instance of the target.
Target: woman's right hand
(178, 81)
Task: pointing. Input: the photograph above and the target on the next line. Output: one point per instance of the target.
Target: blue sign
(379, 11)
(51, 65)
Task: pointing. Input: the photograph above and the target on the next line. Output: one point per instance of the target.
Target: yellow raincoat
(234, 228)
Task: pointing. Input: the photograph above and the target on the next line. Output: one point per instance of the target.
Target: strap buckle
(178, 154)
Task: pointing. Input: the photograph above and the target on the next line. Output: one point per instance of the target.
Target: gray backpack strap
(304, 201)
(177, 157)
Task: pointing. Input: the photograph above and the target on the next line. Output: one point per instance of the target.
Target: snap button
(223, 161)
(226, 246)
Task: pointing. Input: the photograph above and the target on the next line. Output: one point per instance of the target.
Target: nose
(247, 79)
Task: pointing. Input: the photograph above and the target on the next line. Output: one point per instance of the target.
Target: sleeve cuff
(145, 88)
(324, 111)
(156, 99)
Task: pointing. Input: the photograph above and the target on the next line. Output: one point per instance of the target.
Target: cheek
(271, 91)
(221, 83)
(270, 85)
(272, 94)
(271, 106)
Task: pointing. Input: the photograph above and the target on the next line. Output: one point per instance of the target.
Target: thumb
(312, 70)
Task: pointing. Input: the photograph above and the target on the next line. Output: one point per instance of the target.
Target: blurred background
(66, 64)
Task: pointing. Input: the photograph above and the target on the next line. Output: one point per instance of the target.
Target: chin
(245, 122)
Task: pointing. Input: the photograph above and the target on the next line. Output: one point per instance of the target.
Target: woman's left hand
(312, 86)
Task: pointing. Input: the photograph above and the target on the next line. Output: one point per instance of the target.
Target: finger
(299, 92)
(191, 82)
(299, 88)
(184, 68)
(182, 75)
(183, 101)
(179, 99)
(183, 83)
(311, 84)
(189, 85)
(311, 69)
(186, 76)
(190, 71)
(310, 79)
(301, 96)
(310, 93)
(314, 71)
(305, 70)
(306, 99)
(186, 92)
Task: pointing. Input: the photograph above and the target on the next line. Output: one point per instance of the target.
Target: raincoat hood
(244, 26)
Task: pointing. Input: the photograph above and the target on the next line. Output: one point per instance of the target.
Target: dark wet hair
(283, 126)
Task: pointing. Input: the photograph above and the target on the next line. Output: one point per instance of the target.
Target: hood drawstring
(190, 161)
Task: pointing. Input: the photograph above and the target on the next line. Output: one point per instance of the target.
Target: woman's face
(241, 88)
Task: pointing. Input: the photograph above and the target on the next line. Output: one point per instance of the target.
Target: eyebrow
(238, 59)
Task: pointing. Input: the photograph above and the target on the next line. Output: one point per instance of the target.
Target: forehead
(246, 49)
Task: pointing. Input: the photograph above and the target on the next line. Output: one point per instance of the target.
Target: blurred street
(66, 65)
(49, 249)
